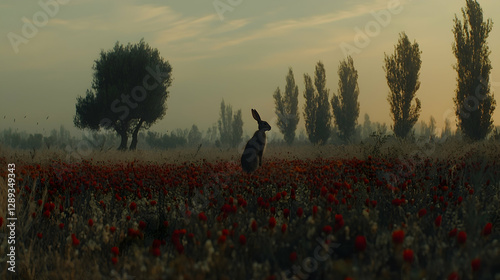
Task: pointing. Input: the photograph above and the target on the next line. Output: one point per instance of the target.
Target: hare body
(251, 158)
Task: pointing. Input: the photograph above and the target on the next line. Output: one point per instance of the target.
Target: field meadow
(380, 210)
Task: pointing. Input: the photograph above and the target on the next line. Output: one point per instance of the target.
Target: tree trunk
(123, 143)
(133, 145)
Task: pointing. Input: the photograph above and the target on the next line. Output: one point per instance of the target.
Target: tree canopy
(128, 92)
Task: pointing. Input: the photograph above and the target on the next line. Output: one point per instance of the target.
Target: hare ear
(255, 115)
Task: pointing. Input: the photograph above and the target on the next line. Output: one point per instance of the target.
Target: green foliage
(345, 104)
(165, 141)
(230, 127)
(287, 108)
(129, 91)
(310, 109)
(317, 113)
(402, 72)
(474, 103)
(194, 136)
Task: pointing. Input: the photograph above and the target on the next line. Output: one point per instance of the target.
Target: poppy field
(380, 216)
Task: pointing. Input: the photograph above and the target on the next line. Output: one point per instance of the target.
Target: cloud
(282, 27)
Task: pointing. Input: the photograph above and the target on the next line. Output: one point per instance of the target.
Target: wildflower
(360, 243)
(202, 217)
(112, 229)
(46, 214)
(300, 212)
(254, 226)
(293, 256)
(452, 232)
(222, 239)
(91, 223)
(115, 250)
(438, 220)
(422, 212)
(133, 206)
(74, 240)
(462, 237)
(315, 210)
(487, 229)
(327, 229)
(114, 260)
(475, 264)
(243, 239)
(283, 228)
(323, 191)
(272, 222)
(408, 255)
(153, 202)
(39, 235)
(142, 225)
(453, 276)
(61, 225)
(398, 236)
(286, 212)
(155, 252)
(180, 248)
(339, 221)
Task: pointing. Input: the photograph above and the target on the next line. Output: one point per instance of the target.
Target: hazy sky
(240, 54)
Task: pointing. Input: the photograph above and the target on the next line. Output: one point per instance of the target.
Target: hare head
(252, 155)
(263, 125)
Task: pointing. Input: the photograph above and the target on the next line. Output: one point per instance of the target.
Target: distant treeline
(193, 137)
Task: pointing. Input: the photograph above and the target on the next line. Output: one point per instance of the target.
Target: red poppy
(452, 232)
(300, 211)
(398, 236)
(327, 229)
(408, 255)
(462, 237)
(243, 239)
(142, 225)
(254, 226)
(272, 222)
(422, 212)
(438, 220)
(222, 239)
(114, 260)
(112, 229)
(283, 228)
(74, 240)
(202, 217)
(475, 264)
(133, 206)
(91, 223)
(360, 243)
(115, 250)
(155, 252)
(39, 235)
(61, 225)
(453, 276)
(286, 212)
(487, 229)
(293, 256)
